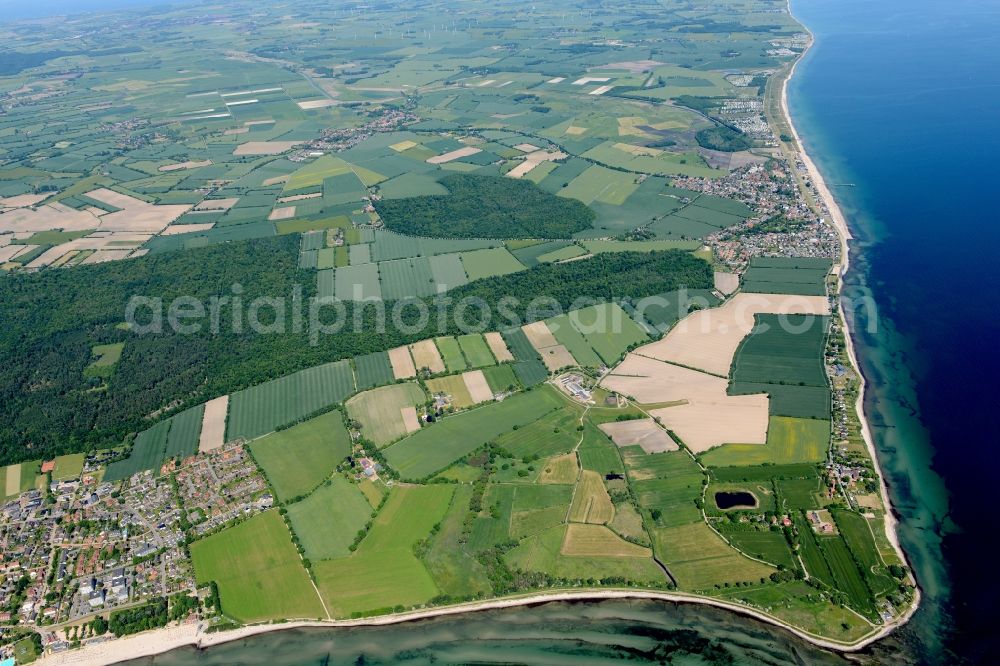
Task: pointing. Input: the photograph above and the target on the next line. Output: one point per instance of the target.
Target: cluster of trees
(51, 319)
(723, 138)
(141, 618)
(486, 207)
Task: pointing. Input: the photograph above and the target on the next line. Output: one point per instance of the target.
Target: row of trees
(51, 320)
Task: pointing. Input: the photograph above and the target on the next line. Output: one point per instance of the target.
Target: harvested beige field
(175, 229)
(402, 364)
(454, 155)
(282, 213)
(591, 502)
(643, 432)
(726, 283)
(24, 200)
(135, 214)
(539, 335)
(13, 480)
(634, 66)
(633, 149)
(522, 169)
(560, 469)
(707, 339)
(598, 541)
(527, 147)
(235, 131)
(316, 104)
(590, 79)
(730, 419)
(50, 256)
(572, 130)
(47, 218)
(498, 347)
(103, 256)
(10, 252)
(556, 357)
(217, 204)
(426, 355)
(180, 166)
(99, 240)
(265, 147)
(410, 420)
(300, 197)
(404, 145)
(277, 180)
(213, 424)
(650, 381)
(600, 90)
(116, 199)
(709, 417)
(479, 389)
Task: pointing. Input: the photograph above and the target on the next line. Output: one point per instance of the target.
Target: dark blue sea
(898, 103)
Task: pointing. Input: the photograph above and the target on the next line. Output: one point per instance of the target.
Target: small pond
(739, 499)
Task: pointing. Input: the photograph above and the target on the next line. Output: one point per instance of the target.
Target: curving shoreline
(163, 640)
(158, 641)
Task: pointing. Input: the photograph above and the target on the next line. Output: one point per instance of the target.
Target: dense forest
(486, 207)
(723, 138)
(52, 319)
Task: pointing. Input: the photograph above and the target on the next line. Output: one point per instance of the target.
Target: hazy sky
(18, 9)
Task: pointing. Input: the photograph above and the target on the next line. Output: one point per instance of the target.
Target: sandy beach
(840, 224)
(163, 640)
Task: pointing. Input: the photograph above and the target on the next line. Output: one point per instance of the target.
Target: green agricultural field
(784, 350)
(105, 359)
(489, 263)
(185, 429)
(406, 278)
(69, 466)
(601, 246)
(147, 453)
(451, 352)
(789, 441)
(857, 535)
(372, 370)
(777, 275)
(264, 408)
(454, 386)
(454, 570)
(476, 352)
(607, 328)
(797, 494)
(258, 571)
(768, 545)
(493, 528)
(543, 552)
(553, 433)
(501, 377)
(600, 184)
(384, 572)
(701, 560)
(379, 410)
(298, 459)
(328, 521)
(442, 443)
(599, 453)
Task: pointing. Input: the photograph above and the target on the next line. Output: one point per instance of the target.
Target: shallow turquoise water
(559, 634)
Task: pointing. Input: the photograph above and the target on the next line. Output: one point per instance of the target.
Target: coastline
(843, 231)
(158, 641)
